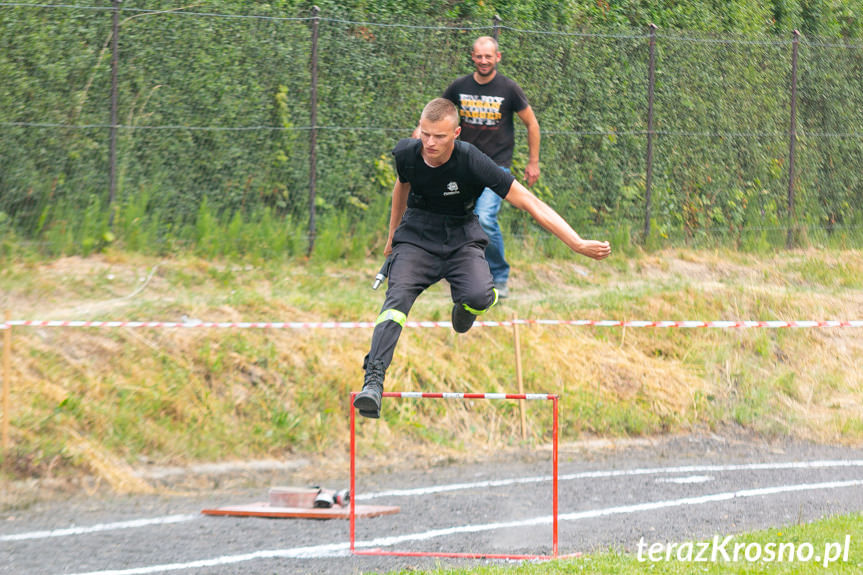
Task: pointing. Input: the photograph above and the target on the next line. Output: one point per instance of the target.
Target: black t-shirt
(453, 187)
(486, 112)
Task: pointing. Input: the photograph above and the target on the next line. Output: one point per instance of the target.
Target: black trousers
(428, 247)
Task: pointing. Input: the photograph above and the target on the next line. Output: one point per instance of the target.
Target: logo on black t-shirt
(452, 189)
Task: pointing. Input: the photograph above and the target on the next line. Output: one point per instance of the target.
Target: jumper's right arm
(397, 211)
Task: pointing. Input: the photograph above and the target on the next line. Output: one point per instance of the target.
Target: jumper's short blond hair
(440, 109)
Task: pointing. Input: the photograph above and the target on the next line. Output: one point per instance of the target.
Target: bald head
(485, 42)
(485, 56)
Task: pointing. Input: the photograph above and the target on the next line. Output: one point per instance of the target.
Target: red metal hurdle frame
(418, 395)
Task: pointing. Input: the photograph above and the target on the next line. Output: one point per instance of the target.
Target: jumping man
(434, 235)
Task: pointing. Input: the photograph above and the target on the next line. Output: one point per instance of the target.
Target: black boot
(462, 319)
(368, 401)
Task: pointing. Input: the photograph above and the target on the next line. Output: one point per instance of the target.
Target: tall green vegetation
(214, 118)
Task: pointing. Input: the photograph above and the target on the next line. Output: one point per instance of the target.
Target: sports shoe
(368, 401)
(462, 319)
(502, 290)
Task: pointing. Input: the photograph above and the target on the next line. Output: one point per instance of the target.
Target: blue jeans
(486, 209)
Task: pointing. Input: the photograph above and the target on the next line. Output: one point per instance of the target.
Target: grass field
(836, 534)
(101, 401)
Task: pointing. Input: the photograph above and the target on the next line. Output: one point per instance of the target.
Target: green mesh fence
(375, 79)
(722, 122)
(214, 118)
(829, 162)
(592, 109)
(53, 112)
(214, 109)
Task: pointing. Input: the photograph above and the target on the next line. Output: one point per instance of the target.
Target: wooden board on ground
(334, 512)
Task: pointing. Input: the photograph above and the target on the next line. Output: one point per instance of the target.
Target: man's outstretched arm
(522, 198)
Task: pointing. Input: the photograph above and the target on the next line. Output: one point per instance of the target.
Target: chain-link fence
(290, 119)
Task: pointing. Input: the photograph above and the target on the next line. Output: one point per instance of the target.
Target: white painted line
(839, 463)
(343, 549)
(99, 527)
(685, 480)
(702, 499)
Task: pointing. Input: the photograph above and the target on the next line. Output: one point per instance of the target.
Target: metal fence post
(495, 26)
(651, 82)
(792, 141)
(112, 146)
(7, 380)
(313, 133)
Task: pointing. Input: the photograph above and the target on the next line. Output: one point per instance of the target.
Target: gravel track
(612, 494)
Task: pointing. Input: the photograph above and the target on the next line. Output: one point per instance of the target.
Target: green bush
(215, 117)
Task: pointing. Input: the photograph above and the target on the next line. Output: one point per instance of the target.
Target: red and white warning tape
(191, 324)
(708, 324)
(368, 324)
(419, 395)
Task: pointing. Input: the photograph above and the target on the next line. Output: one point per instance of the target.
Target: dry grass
(102, 401)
